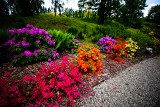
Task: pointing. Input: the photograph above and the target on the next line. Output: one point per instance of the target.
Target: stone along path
(137, 86)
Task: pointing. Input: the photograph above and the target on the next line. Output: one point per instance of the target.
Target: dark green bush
(4, 36)
(97, 37)
(85, 29)
(81, 35)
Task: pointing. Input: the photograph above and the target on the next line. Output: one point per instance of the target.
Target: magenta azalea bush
(106, 43)
(29, 45)
(56, 84)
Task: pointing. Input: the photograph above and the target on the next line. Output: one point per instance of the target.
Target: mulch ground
(110, 68)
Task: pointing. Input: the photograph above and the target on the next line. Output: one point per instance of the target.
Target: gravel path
(137, 86)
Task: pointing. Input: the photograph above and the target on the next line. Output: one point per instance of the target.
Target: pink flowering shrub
(53, 85)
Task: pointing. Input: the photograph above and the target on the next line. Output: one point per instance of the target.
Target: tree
(154, 14)
(36, 6)
(21, 7)
(101, 11)
(57, 4)
(105, 8)
(131, 10)
(89, 6)
(44, 10)
(68, 12)
(4, 8)
(88, 14)
(112, 8)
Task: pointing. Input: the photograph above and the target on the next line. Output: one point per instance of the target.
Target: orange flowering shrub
(89, 59)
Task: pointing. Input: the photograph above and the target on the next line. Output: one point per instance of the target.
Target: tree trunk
(101, 12)
(55, 7)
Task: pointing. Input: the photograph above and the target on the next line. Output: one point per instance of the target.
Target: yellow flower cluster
(156, 43)
(131, 47)
(151, 33)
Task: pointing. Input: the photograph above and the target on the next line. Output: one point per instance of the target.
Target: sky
(73, 4)
(150, 3)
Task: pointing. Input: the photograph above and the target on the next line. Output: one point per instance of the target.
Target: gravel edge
(136, 86)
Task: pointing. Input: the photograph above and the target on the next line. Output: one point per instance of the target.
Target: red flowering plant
(118, 50)
(53, 85)
(10, 94)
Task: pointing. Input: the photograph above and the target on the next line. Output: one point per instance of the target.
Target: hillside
(79, 28)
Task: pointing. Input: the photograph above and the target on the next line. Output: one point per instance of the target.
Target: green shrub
(73, 30)
(81, 35)
(4, 36)
(12, 22)
(88, 15)
(101, 29)
(64, 41)
(97, 37)
(85, 29)
(143, 39)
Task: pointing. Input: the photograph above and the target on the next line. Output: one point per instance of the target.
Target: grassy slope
(49, 22)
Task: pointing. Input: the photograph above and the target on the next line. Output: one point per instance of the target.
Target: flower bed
(50, 86)
(60, 82)
(118, 47)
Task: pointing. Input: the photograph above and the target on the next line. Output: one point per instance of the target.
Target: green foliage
(142, 39)
(88, 15)
(130, 11)
(12, 21)
(64, 41)
(83, 29)
(81, 35)
(69, 12)
(73, 30)
(147, 27)
(4, 8)
(58, 5)
(25, 7)
(3, 51)
(4, 36)
(154, 14)
(97, 37)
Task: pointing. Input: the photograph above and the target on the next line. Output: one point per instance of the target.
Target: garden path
(136, 86)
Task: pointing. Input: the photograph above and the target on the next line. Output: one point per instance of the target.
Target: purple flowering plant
(106, 42)
(30, 44)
